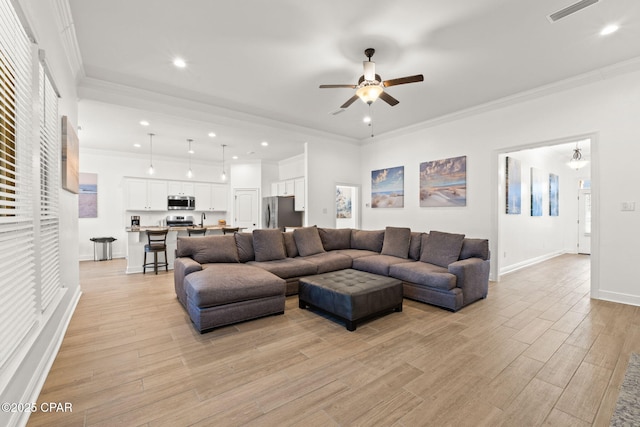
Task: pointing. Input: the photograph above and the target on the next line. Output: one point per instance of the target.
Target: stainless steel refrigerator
(278, 212)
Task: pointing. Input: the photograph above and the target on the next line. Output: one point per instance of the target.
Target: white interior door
(584, 222)
(246, 209)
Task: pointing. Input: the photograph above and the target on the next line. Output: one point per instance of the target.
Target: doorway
(584, 221)
(347, 206)
(246, 208)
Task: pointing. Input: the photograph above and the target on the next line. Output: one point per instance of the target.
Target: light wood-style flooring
(537, 351)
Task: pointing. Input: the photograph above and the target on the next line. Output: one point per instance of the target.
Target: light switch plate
(628, 206)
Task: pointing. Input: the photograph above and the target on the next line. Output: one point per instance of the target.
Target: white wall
(607, 107)
(328, 163)
(111, 168)
(290, 168)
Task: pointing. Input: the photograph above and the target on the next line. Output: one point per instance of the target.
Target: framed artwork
(444, 182)
(554, 195)
(70, 161)
(537, 191)
(387, 188)
(88, 196)
(513, 186)
(343, 202)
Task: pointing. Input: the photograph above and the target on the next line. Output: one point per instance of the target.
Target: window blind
(18, 286)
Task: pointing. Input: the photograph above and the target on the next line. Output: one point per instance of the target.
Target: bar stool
(229, 230)
(197, 231)
(157, 243)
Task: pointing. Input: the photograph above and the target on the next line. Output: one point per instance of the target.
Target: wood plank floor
(537, 351)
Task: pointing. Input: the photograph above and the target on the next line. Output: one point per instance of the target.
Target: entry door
(246, 208)
(584, 223)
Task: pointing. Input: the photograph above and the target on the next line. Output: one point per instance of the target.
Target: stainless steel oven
(181, 203)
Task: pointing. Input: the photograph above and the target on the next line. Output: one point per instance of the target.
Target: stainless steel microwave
(181, 203)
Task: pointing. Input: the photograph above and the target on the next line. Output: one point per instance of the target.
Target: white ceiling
(265, 60)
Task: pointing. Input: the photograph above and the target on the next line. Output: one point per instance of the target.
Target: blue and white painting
(554, 195)
(343, 202)
(444, 182)
(537, 191)
(387, 188)
(514, 186)
(88, 195)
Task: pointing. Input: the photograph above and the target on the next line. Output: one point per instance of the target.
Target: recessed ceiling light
(235, 157)
(212, 134)
(367, 119)
(136, 145)
(264, 143)
(191, 152)
(144, 123)
(251, 152)
(179, 62)
(609, 29)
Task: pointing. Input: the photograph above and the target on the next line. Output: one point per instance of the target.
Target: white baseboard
(529, 262)
(618, 297)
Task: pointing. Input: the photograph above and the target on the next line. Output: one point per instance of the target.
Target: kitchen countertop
(155, 227)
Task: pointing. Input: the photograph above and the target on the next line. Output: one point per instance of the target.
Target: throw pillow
(396, 242)
(308, 241)
(244, 244)
(415, 245)
(208, 249)
(335, 238)
(290, 245)
(370, 240)
(268, 245)
(475, 248)
(440, 248)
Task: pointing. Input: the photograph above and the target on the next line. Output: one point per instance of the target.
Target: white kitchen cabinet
(181, 188)
(146, 195)
(211, 197)
(299, 194)
(283, 188)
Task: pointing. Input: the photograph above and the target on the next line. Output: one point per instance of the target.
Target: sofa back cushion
(415, 245)
(335, 238)
(290, 244)
(244, 244)
(308, 241)
(440, 248)
(396, 242)
(268, 245)
(208, 249)
(370, 240)
(475, 248)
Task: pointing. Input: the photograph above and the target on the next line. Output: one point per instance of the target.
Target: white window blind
(18, 285)
(48, 248)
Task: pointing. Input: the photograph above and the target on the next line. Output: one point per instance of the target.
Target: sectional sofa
(227, 279)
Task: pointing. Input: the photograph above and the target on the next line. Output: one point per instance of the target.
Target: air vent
(569, 10)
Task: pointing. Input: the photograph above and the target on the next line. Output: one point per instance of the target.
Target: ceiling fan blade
(337, 86)
(403, 80)
(388, 99)
(350, 101)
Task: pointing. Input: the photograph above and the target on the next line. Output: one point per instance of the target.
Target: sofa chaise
(227, 279)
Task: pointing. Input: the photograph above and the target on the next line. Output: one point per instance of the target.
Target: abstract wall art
(537, 191)
(387, 188)
(443, 183)
(554, 195)
(513, 186)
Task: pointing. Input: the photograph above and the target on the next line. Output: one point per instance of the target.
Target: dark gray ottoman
(351, 294)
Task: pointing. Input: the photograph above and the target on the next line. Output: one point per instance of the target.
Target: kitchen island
(137, 238)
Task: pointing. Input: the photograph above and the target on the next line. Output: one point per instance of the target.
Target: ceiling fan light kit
(370, 86)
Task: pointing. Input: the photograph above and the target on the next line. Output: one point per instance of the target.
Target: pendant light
(150, 171)
(189, 172)
(576, 161)
(224, 174)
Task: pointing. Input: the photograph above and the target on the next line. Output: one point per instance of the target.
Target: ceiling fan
(371, 86)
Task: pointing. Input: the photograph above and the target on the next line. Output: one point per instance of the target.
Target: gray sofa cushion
(208, 249)
(287, 268)
(244, 244)
(355, 253)
(335, 238)
(424, 274)
(396, 242)
(441, 248)
(377, 264)
(475, 248)
(415, 245)
(290, 244)
(308, 241)
(268, 245)
(329, 261)
(370, 240)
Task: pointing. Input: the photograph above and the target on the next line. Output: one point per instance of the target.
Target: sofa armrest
(181, 268)
(472, 276)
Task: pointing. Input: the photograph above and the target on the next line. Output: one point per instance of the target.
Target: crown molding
(68, 39)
